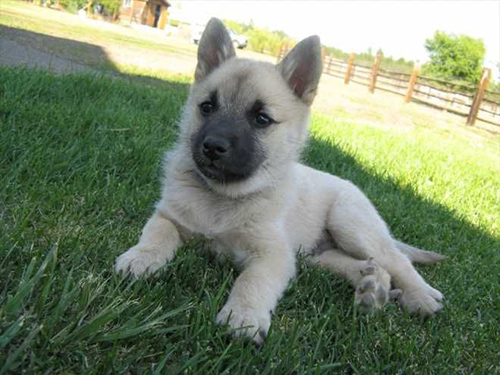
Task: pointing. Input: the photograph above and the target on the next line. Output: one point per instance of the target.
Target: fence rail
(470, 101)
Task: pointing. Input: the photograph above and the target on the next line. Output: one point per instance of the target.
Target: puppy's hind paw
(424, 301)
(373, 289)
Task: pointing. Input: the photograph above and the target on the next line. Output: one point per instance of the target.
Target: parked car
(239, 41)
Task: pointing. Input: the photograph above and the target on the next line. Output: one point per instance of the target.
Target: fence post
(348, 73)
(373, 78)
(329, 64)
(323, 54)
(478, 98)
(89, 8)
(280, 52)
(411, 84)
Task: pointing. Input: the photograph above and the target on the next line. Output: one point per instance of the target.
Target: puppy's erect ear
(215, 47)
(302, 68)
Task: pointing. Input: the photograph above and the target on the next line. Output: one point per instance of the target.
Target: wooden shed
(152, 13)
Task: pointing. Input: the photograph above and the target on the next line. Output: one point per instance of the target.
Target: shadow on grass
(20, 47)
(411, 217)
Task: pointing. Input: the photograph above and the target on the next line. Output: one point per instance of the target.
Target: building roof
(163, 2)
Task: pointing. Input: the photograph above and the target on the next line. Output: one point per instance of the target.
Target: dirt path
(46, 38)
(15, 54)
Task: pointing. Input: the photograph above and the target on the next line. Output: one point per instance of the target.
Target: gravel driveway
(13, 53)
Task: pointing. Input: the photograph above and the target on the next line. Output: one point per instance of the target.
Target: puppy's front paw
(372, 290)
(424, 301)
(245, 322)
(140, 260)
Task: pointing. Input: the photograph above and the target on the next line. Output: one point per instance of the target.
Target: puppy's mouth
(216, 171)
(211, 169)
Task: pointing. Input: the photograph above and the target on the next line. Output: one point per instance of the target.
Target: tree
(239, 28)
(365, 58)
(111, 7)
(260, 40)
(336, 53)
(457, 57)
(73, 5)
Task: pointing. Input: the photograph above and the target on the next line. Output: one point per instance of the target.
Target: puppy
(233, 176)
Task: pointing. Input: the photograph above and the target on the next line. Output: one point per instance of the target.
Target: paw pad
(370, 268)
(372, 290)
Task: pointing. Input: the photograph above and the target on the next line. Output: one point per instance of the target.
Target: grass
(80, 171)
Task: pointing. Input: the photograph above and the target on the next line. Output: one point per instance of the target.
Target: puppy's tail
(418, 255)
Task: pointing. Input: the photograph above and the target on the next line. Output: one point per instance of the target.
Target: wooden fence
(472, 102)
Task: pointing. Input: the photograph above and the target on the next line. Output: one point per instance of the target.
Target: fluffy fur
(264, 217)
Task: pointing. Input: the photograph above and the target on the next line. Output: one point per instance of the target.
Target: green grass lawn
(80, 173)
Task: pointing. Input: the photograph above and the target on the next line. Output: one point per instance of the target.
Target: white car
(239, 41)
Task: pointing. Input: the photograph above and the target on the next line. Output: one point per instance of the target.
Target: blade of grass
(10, 360)
(14, 304)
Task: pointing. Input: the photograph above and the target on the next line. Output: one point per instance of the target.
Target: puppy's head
(246, 121)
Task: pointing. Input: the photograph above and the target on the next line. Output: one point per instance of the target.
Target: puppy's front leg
(255, 294)
(157, 245)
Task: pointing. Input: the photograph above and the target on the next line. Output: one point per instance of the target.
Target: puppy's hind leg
(217, 252)
(358, 230)
(371, 282)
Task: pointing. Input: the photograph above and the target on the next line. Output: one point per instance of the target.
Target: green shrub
(259, 39)
(73, 6)
(454, 57)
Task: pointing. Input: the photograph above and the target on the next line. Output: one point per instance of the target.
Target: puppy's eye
(263, 120)
(206, 108)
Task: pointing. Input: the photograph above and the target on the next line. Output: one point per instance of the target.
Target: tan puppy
(234, 177)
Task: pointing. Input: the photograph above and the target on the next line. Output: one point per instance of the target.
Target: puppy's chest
(202, 213)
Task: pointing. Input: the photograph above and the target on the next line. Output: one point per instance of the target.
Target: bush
(454, 57)
(259, 39)
(73, 6)
(110, 7)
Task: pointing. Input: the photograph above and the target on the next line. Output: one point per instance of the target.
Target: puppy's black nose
(215, 147)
